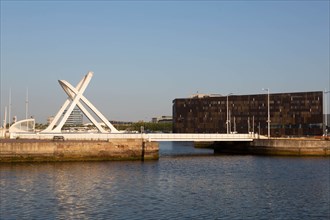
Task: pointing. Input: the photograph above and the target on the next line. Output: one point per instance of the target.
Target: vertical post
(268, 111)
(9, 107)
(4, 130)
(249, 125)
(326, 112)
(328, 107)
(228, 117)
(234, 124)
(253, 125)
(268, 120)
(227, 122)
(27, 104)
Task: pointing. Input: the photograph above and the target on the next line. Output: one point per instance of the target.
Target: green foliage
(40, 126)
(148, 127)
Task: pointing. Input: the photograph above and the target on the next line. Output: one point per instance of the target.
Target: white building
(162, 119)
(75, 118)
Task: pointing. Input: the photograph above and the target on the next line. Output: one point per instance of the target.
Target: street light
(228, 120)
(268, 120)
(326, 112)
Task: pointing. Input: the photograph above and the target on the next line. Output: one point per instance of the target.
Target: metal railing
(146, 136)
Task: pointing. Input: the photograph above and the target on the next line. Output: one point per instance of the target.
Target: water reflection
(179, 187)
(173, 149)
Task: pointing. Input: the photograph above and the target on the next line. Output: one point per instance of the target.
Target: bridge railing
(149, 136)
(198, 137)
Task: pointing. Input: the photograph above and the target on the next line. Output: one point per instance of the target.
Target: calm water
(185, 183)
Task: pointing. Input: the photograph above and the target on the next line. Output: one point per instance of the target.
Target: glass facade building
(75, 118)
(291, 114)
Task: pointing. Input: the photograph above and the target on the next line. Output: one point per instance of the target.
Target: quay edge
(280, 147)
(31, 150)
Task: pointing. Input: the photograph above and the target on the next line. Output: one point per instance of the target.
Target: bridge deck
(200, 137)
(149, 136)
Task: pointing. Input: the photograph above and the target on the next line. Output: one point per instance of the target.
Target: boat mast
(9, 108)
(5, 119)
(27, 103)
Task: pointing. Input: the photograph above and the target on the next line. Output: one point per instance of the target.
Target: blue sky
(144, 54)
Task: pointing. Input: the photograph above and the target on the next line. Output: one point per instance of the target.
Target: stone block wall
(47, 150)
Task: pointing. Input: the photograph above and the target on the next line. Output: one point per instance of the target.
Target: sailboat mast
(5, 119)
(9, 108)
(27, 104)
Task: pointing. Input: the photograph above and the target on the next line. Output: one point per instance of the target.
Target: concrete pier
(285, 147)
(27, 150)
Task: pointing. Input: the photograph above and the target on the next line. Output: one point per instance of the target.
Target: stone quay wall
(284, 147)
(298, 147)
(27, 150)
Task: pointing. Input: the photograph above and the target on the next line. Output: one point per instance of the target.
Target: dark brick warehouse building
(291, 114)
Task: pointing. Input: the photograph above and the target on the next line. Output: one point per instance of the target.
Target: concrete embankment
(285, 147)
(294, 147)
(24, 150)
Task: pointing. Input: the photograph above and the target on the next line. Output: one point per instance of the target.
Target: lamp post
(27, 104)
(268, 119)
(228, 120)
(9, 108)
(325, 112)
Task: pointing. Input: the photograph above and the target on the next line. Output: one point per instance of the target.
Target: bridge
(199, 137)
(76, 98)
(158, 137)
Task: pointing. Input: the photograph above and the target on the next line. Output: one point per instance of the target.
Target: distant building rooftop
(161, 119)
(201, 95)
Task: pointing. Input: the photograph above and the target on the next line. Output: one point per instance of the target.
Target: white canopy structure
(76, 98)
(27, 125)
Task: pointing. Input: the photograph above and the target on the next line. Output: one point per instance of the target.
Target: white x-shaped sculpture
(75, 95)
